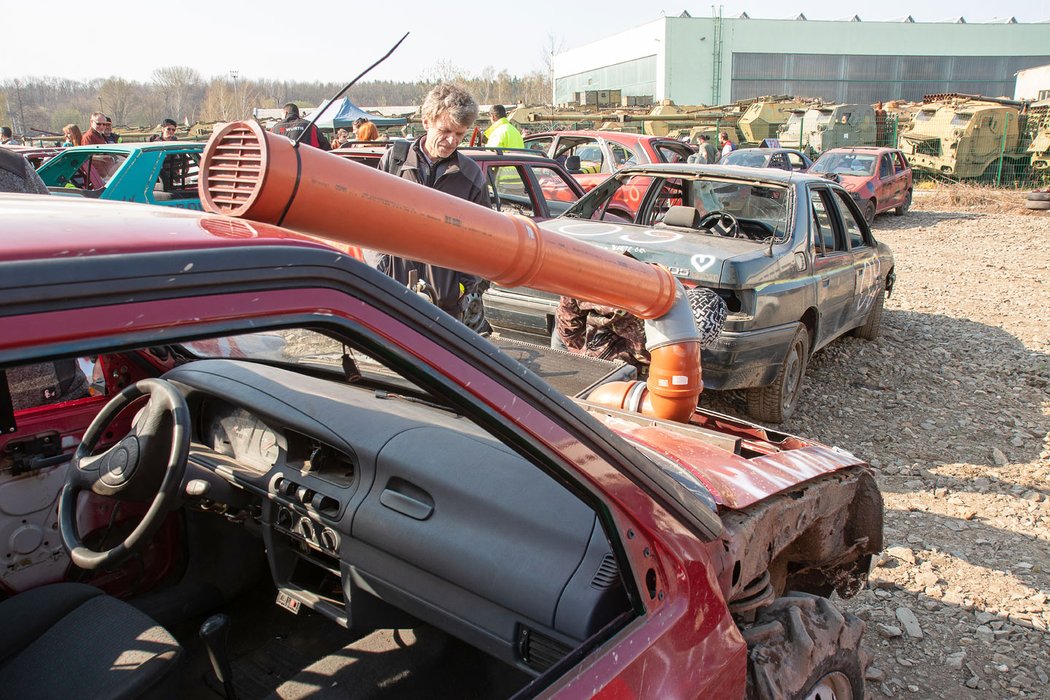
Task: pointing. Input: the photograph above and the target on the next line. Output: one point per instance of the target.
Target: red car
(209, 413)
(592, 156)
(879, 179)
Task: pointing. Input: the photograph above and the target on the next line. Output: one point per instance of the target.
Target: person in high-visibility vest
(501, 133)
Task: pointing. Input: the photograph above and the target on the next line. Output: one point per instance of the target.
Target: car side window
(885, 166)
(796, 161)
(777, 160)
(541, 144)
(554, 188)
(511, 193)
(178, 177)
(899, 161)
(590, 155)
(824, 238)
(854, 232)
(622, 155)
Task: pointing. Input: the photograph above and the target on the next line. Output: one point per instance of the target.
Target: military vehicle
(964, 136)
(823, 127)
(763, 118)
(1039, 148)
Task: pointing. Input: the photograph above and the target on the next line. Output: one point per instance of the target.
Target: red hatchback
(879, 179)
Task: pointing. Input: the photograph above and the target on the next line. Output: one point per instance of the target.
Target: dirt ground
(951, 406)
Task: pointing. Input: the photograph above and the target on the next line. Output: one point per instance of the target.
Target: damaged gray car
(790, 254)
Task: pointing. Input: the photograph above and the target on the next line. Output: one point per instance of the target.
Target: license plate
(288, 603)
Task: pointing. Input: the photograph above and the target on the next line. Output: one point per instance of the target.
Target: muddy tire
(1038, 197)
(802, 646)
(873, 323)
(869, 211)
(775, 403)
(1037, 205)
(904, 206)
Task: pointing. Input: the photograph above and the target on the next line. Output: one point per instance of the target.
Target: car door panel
(833, 267)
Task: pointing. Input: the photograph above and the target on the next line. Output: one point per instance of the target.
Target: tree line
(181, 93)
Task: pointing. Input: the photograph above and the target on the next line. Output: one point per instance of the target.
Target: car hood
(690, 254)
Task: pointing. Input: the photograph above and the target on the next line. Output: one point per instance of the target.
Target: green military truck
(823, 127)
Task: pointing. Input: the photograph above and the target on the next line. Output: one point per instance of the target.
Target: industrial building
(716, 60)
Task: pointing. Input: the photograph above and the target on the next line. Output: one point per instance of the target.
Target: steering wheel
(721, 222)
(150, 461)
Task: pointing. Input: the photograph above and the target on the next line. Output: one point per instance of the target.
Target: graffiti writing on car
(869, 284)
(609, 231)
(702, 262)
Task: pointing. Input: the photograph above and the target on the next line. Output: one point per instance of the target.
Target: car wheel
(775, 403)
(873, 323)
(802, 646)
(903, 208)
(869, 211)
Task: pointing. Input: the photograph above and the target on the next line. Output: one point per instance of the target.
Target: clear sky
(333, 41)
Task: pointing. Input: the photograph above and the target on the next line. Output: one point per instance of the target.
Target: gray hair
(453, 101)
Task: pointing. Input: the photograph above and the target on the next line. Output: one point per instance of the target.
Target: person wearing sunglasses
(167, 131)
(96, 131)
(107, 131)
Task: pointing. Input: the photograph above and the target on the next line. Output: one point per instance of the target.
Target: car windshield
(746, 158)
(643, 198)
(845, 164)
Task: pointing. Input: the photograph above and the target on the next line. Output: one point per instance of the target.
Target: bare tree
(182, 87)
(118, 98)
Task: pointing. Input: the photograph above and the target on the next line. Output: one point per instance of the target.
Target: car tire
(873, 323)
(1037, 205)
(903, 208)
(775, 403)
(869, 211)
(1038, 197)
(802, 646)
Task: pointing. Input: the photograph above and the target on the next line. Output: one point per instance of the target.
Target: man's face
(443, 136)
(99, 124)
(289, 114)
(107, 127)
(342, 134)
(168, 131)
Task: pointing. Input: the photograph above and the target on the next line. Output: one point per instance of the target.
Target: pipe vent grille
(234, 170)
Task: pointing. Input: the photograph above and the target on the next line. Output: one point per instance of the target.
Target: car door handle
(418, 506)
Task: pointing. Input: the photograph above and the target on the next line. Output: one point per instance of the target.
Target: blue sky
(331, 41)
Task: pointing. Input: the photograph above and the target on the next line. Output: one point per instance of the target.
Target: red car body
(184, 276)
(880, 179)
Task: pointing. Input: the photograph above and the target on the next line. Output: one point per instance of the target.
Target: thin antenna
(349, 85)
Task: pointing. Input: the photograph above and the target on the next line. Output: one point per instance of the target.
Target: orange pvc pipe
(254, 174)
(248, 172)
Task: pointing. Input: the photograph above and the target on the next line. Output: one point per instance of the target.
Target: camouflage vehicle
(963, 136)
(763, 118)
(823, 127)
(1039, 148)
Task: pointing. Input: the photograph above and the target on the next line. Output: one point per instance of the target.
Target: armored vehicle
(763, 119)
(1039, 148)
(963, 136)
(829, 126)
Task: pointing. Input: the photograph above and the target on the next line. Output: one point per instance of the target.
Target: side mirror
(572, 164)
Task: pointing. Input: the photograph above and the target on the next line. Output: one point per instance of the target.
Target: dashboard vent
(539, 651)
(608, 574)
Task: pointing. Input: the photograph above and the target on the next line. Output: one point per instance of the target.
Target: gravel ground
(951, 406)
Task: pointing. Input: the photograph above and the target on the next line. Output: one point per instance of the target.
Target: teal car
(163, 173)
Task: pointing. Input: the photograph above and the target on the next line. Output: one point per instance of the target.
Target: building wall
(1033, 84)
(842, 61)
(631, 61)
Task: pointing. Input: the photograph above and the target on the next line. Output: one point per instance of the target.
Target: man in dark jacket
(433, 161)
(292, 125)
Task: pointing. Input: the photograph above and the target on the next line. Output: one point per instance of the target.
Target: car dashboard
(377, 508)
